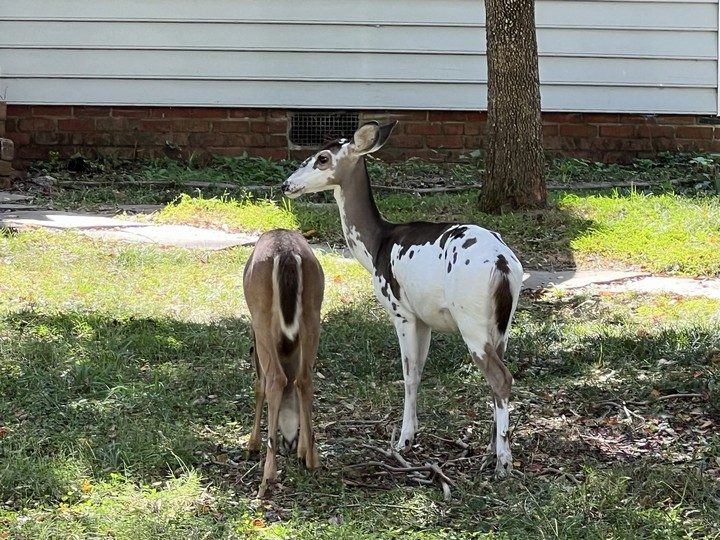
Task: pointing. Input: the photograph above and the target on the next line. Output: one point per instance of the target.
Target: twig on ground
(553, 470)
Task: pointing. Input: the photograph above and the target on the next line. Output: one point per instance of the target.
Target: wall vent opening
(311, 129)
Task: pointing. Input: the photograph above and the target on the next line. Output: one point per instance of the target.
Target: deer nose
(285, 186)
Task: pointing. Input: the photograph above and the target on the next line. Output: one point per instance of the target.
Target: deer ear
(371, 137)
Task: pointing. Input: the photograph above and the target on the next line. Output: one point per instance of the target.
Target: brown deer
(284, 286)
(450, 277)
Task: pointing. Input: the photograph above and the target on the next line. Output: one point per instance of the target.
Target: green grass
(225, 212)
(663, 233)
(126, 403)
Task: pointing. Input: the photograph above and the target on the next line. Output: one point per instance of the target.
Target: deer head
(329, 167)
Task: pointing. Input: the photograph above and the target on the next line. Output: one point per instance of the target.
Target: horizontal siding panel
(563, 13)
(448, 11)
(628, 43)
(629, 99)
(247, 94)
(338, 66)
(351, 95)
(228, 36)
(202, 36)
(239, 65)
(549, 13)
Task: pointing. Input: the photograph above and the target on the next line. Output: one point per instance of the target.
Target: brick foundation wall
(141, 132)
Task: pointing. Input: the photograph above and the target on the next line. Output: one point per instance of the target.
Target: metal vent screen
(313, 129)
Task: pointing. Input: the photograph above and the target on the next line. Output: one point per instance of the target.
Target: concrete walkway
(111, 228)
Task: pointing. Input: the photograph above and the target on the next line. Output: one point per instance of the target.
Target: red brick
(474, 128)
(447, 116)
(203, 139)
(77, 124)
(423, 129)
(19, 138)
(231, 126)
(473, 141)
(111, 124)
(230, 151)
(91, 112)
(3, 110)
(563, 118)
(192, 126)
(246, 113)
(270, 153)
(208, 112)
(636, 119)
(453, 129)
(601, 118)
(260, 127)
(36, 124)
(33, 152)
(157, 126)
(245, 140)
(276, 113)
(276, 141)
(18, 111)
(677, 119)
(624, 131)
(578, 130)
(52, 110)
(130, 112)
(650, 131)
(552, 143)
(444, 141)
(694, 132)
(168, 112)
(550, 129)
(407, 141)
(46, 137)
(477, 116)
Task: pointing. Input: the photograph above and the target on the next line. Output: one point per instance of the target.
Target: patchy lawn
(127, 402)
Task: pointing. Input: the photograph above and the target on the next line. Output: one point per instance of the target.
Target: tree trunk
(514, 176)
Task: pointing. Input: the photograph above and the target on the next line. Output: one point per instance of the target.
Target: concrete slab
(572, 279)
(174, 235)
(61, 220)
(109, 228)
(7, 197)
(709, 288)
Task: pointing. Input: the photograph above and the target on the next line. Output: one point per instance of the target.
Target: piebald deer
(284, 286)
(428, 276)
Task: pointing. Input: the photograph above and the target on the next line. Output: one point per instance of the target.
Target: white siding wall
(654, 56)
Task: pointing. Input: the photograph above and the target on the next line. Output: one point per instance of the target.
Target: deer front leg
(414, 337)
(254, 442)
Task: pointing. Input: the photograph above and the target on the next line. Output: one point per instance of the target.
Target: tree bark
(514, 177)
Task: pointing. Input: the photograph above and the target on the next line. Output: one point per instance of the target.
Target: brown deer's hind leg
(306, 450)
(275, 382)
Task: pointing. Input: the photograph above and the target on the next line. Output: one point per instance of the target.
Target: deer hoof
(504, 467)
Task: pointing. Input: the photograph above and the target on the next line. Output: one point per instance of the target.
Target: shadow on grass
(86, 395)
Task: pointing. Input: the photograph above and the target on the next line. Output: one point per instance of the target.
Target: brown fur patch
(503, 304)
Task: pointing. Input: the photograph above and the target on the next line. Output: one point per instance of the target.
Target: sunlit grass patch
(663, 233)
(227, 213)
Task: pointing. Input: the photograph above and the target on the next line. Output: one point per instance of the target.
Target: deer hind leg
(307, 450)
(414, 337)
(275, 382)
(490, 361)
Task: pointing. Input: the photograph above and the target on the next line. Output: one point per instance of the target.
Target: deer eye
(323, 159)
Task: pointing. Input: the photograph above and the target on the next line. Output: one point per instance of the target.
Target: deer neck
(363, 226)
